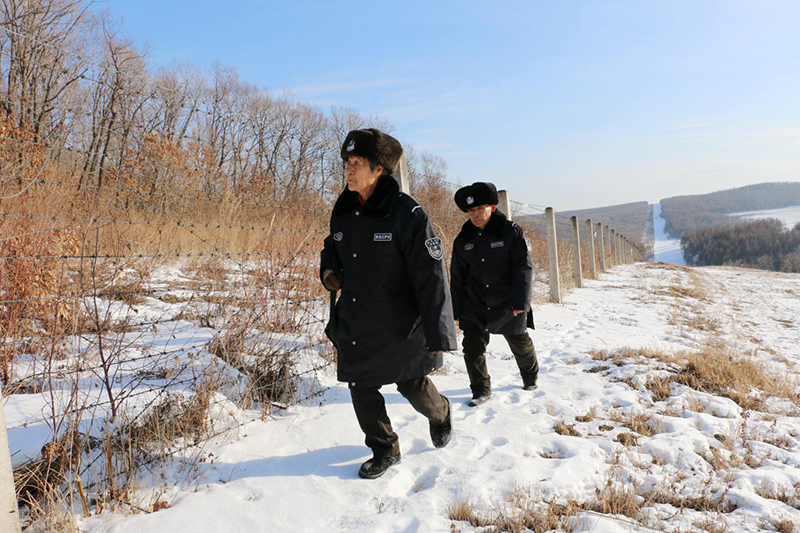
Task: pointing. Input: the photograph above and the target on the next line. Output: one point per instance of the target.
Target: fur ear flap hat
(374, 145)
(479, 193)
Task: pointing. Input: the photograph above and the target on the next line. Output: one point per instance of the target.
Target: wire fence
(130, 313)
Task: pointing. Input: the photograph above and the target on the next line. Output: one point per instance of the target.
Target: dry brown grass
(782, 526)
(627, 439)
(714, 370)
(659, 387)
(615, 499)
(566, 429)
(643, 424)
(462, 511)
(521, 511)
(588, 417)
(786, 495)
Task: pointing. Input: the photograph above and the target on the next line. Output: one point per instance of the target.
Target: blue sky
(573, 104)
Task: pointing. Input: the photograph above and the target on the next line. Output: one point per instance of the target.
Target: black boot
(377, 466)
(480, 398)
(441, 433)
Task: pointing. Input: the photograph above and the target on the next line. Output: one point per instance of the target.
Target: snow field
(697, 461)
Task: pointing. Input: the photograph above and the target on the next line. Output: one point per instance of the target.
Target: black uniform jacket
(394, 308)
(490, 275)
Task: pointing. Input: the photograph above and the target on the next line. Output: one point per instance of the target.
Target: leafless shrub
(588, 417)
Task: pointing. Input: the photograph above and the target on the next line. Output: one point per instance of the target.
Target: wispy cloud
(413, 106)
(346, 86)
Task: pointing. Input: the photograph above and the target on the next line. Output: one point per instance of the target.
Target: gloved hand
(331, 280)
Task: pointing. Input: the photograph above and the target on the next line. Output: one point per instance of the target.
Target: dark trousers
(474, 344)
(370, 409)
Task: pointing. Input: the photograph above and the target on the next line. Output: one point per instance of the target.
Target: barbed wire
(118, 221)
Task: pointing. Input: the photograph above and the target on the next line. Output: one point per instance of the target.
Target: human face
(360, 178)
(479, 215)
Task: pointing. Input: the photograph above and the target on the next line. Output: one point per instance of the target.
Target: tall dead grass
(713, 369)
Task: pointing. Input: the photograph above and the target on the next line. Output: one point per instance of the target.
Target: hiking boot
(441, 433)
(478, 399)
(377, 466)
(530, 386)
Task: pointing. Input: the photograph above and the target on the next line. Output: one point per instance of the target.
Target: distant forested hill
(761, 244)
(634, 220)
(688, 213)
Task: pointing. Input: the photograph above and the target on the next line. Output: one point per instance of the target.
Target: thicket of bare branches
(111, 169)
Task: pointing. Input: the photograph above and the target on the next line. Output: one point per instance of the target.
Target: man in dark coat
(490, 276)
(394, 314)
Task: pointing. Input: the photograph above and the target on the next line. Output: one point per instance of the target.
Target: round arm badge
(434, 247)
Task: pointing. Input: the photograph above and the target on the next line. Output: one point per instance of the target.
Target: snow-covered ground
(722, 465)
(665, 248)
(788, 215)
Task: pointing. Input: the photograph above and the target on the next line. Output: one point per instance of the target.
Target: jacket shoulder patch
(435, 249)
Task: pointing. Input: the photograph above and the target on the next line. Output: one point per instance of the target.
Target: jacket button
(486, 329)
(488, 308)
(354, 299)
(487, 285)
(358, 213)
(355, 255)
(482, 260)
(354, 343)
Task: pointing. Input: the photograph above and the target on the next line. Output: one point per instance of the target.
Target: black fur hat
(479, 193)
(374, 145)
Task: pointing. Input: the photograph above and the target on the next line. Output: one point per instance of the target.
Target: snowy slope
(788, 215)
(665, 248)
(297, 471)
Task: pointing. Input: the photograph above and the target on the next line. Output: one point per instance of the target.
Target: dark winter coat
(490, 275)
(394, 308)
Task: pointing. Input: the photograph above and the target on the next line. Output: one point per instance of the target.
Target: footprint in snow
(499, 441)
(502, 462)
(490, 414)
(425, 481)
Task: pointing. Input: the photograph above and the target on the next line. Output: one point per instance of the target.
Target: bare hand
(331, 280)
(517, 312)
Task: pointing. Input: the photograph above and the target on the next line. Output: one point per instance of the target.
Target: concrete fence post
(621, 249)
(613, 248)
(602, 247)
(576, 252)
(402, 175)
(9, 514)
(607, 238)
(590, 234)
(618, 250)
(552, 255)
(504, 203)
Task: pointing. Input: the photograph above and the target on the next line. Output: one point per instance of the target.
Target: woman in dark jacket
(491, 274)
(394, 313)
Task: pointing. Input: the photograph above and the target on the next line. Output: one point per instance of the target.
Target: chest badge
(498, 244)
(469, 246)
(338, 236)
(434, 247)
(382, 237)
